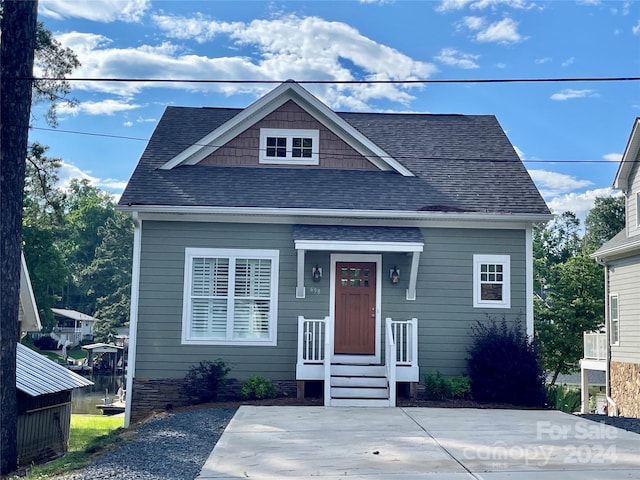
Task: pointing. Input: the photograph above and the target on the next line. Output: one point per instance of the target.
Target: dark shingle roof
(621, 243)
(461, 163)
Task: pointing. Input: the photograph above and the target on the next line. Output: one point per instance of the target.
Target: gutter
(339, 213)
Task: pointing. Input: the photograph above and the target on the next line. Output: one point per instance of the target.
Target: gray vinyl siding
(444, 304)
(623, 281)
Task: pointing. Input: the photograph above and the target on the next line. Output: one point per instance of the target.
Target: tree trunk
(18, 27)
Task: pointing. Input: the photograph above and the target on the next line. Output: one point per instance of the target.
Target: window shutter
(252, 295)
(209, 288)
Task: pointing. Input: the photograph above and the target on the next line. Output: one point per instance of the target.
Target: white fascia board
(270, 102)
(611, 253)
(631, 152)
(356, 246)
(457, 219)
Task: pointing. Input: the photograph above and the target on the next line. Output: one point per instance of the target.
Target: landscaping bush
(504, 365)
(46, 343)
(435, 387)
(441, 388)
(204, 381)
(256, 388)
(563, 399)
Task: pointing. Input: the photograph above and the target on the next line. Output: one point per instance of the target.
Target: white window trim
(638, 210)
(190, 254)
(611, 320)
(289, 134)
(505, 261)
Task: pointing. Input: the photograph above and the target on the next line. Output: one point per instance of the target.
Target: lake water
(84, 400)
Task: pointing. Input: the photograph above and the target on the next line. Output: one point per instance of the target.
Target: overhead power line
(334, 82)
(413, 157)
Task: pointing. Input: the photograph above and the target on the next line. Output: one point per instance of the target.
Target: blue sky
(570, 135)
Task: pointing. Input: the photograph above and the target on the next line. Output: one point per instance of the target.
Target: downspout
(133, 315)
(529, 280)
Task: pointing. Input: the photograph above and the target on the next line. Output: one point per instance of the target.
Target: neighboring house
(28, 316)
(619, 354)
(72, 327)
(44, 406)
(302, 244)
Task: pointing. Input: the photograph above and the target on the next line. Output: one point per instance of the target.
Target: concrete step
(359, 402)
(344, 381)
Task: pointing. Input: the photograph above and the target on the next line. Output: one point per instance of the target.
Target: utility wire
(413, 157)
(332, 82)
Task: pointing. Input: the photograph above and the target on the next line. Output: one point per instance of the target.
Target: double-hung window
(492, 281)
(230, 296)
(614, 320)
(289, 146)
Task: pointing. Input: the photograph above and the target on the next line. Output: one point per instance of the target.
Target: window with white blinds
(230, 296)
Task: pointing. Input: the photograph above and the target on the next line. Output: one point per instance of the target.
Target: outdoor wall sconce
(316, 274)
(394, 275)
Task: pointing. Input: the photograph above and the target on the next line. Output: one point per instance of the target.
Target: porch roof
(328, 237)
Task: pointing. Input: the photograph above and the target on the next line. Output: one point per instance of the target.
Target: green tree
(604, 221)
(109, 276)
(574, 305)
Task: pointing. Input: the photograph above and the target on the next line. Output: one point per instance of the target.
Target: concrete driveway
(419, 443)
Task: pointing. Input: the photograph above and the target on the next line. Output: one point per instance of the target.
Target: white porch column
(300, 290)
(413, 276)
(584, 394)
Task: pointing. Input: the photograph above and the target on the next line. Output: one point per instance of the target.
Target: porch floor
(269, 443)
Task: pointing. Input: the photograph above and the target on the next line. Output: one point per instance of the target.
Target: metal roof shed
(44, 405)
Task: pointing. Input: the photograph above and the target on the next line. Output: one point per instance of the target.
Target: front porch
(594, 358)
(354, 383)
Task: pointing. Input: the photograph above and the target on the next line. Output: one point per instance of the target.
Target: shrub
(440, 388)
(460, 388)
(563, 399)
(45, 342)
(204, 381)
(257, 387)
(435, 387)
(504, 365)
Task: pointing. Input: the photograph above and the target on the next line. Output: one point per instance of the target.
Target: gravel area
(630, 424)
(171, 447)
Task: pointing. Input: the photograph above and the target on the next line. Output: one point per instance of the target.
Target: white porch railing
(595, 345)
(405, 334)
(311, 345)
(390, 357)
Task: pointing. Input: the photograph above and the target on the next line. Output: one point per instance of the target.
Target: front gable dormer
(628, 180)
(288, 127)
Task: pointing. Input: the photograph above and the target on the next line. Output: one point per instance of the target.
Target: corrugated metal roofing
(73, 314)
(37, 375)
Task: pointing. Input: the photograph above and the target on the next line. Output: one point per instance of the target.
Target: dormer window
(289, 146)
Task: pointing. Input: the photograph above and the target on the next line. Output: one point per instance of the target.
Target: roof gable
(287, 91)
(629, 159)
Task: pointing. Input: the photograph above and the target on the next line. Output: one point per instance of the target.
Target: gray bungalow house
(617, 350)
(303, 244)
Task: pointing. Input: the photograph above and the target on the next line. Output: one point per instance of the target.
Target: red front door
(355, 309)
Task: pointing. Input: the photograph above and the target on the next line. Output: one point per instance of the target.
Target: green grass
(89, 434)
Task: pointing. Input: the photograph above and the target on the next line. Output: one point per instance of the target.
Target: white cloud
(541, 61)
(520, 153)
(68, 172)
(579, 202)
(568, 62)
(552, 184)
(473, 23)
(504, 31)
(452, 5)
(287, 47)
(636, 28)
(613, 157)
(95, 10)
(105, 107)
(570, 93)
(456, 58)
(128, 123)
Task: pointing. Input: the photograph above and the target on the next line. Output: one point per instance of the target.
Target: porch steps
(359, 386)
